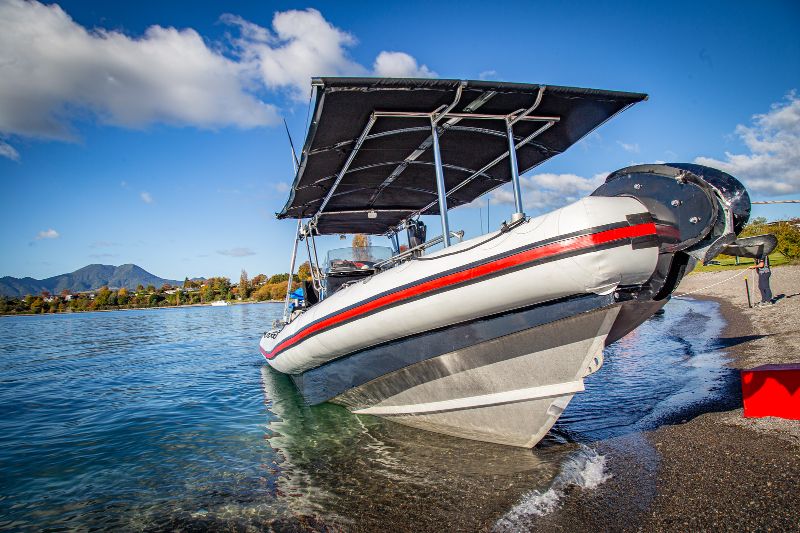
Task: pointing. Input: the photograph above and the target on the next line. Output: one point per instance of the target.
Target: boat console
(346, 265)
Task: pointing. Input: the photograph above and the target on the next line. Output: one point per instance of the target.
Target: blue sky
(150, 132)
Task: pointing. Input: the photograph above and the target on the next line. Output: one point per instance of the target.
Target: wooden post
(747, 289)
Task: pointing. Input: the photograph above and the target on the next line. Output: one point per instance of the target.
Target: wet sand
(710, 469)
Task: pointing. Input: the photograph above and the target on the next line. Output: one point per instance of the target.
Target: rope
(743, 271)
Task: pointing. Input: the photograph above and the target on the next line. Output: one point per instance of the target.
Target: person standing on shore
(764, 273)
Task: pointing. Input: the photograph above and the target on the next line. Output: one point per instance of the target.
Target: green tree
(277, 278)
(101, 298)
(786, 231)
(122, 296)
(304, 271)
(244, 285)
(262, 293)
(36, 305)
(207, 293)
(788, 234)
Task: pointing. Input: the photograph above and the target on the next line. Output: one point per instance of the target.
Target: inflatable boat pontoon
(488, 338)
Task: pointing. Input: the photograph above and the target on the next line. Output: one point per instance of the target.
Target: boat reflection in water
(365, 471)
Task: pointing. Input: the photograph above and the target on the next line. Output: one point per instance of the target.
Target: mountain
(84, 279)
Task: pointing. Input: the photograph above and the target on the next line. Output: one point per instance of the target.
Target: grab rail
(411, 251)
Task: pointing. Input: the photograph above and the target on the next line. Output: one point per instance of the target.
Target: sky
(151, 132)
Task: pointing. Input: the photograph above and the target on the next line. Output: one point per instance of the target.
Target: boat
(491, 337)
(219, 303)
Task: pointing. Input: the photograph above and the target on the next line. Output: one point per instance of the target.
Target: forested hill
(84, 279)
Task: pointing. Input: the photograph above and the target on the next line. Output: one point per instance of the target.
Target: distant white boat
(219, 302)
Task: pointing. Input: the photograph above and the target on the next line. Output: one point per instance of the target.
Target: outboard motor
(698, 212)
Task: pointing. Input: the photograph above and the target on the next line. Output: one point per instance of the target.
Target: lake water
(170, 419)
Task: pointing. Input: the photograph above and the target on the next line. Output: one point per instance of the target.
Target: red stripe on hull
(535, 254)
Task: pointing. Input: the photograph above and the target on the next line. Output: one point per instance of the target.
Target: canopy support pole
(486, 167)
(291, 272)
(512, 159)
(440, 189)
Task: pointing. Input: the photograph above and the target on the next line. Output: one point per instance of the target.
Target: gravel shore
(712, 470)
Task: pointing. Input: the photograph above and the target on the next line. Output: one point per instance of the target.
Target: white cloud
(6, 150)
(237, 252)
(47, 234)
(772, 164)
(542, 192)
(53, 70)
(629, 147)
(146, 197)
(488, 75)
(400, 65)
(301, 44)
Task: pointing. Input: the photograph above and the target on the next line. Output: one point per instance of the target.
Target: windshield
(356, 258)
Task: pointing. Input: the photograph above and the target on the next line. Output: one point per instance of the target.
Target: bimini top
(367, 162)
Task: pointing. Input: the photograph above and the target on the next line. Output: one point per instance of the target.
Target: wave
(585, 469)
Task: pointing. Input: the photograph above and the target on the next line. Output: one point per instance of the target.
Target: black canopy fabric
(392, 175)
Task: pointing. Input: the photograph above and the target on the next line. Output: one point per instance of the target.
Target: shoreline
(230, 304)
(711, 468)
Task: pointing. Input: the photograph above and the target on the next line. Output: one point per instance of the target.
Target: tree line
(192, 292)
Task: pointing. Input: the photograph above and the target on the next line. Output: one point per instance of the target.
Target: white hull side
(599, 271)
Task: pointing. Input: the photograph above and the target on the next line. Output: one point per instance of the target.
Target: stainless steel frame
(440, 189)
(291, 272)
(489, 165)
(512, 159)
(410, 252)
(452, 118)
(359, 142)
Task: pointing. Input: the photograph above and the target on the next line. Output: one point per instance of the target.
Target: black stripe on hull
(327, 381)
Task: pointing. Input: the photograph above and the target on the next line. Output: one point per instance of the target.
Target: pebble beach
(712, 469)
